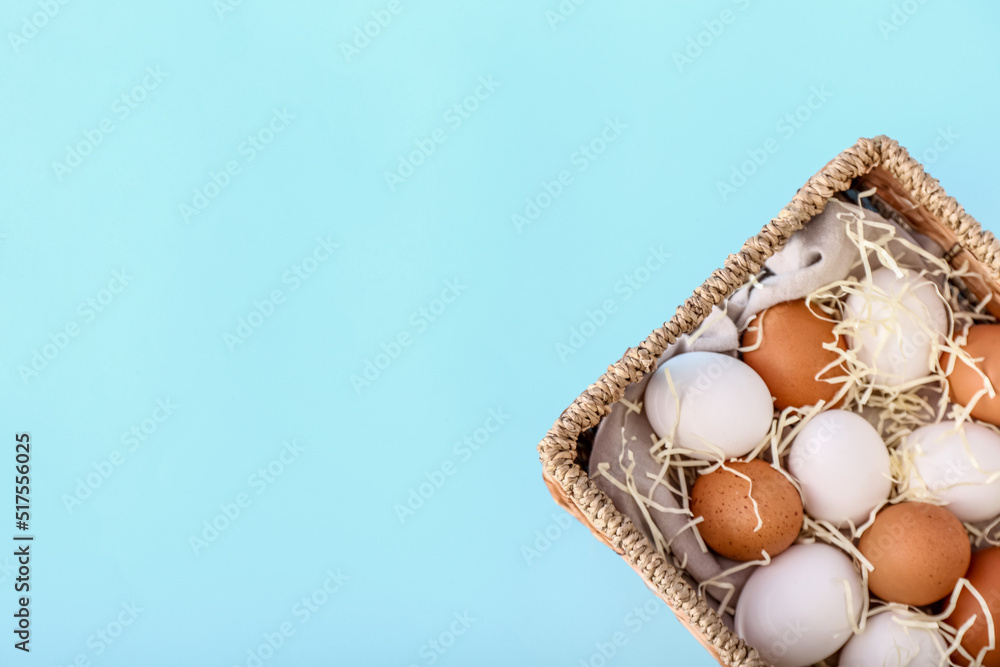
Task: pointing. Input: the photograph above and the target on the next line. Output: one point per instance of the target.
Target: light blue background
(466, 550)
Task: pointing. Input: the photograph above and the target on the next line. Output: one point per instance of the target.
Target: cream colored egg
(886, 642)
(795, 610)
(897, 321)
(718, 408)
(842, 465)
(959, 466)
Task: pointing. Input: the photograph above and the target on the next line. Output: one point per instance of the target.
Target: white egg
(725, 407)
(888, 335)
(794, 611)
(842, 465)
(886, 643)
(954, 465)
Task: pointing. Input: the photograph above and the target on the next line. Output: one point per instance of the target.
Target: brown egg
(723, 499)
(791, 354)
(984, 344)
(984, 575)
(919, 552)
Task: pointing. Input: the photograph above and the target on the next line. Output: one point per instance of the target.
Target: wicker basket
(921, 202)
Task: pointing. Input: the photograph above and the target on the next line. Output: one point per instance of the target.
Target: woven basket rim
(570, 484)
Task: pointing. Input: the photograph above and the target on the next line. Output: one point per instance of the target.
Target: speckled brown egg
(919, 552)
(984, 575)
(724, 500)
(983, 345)
(791, 354)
